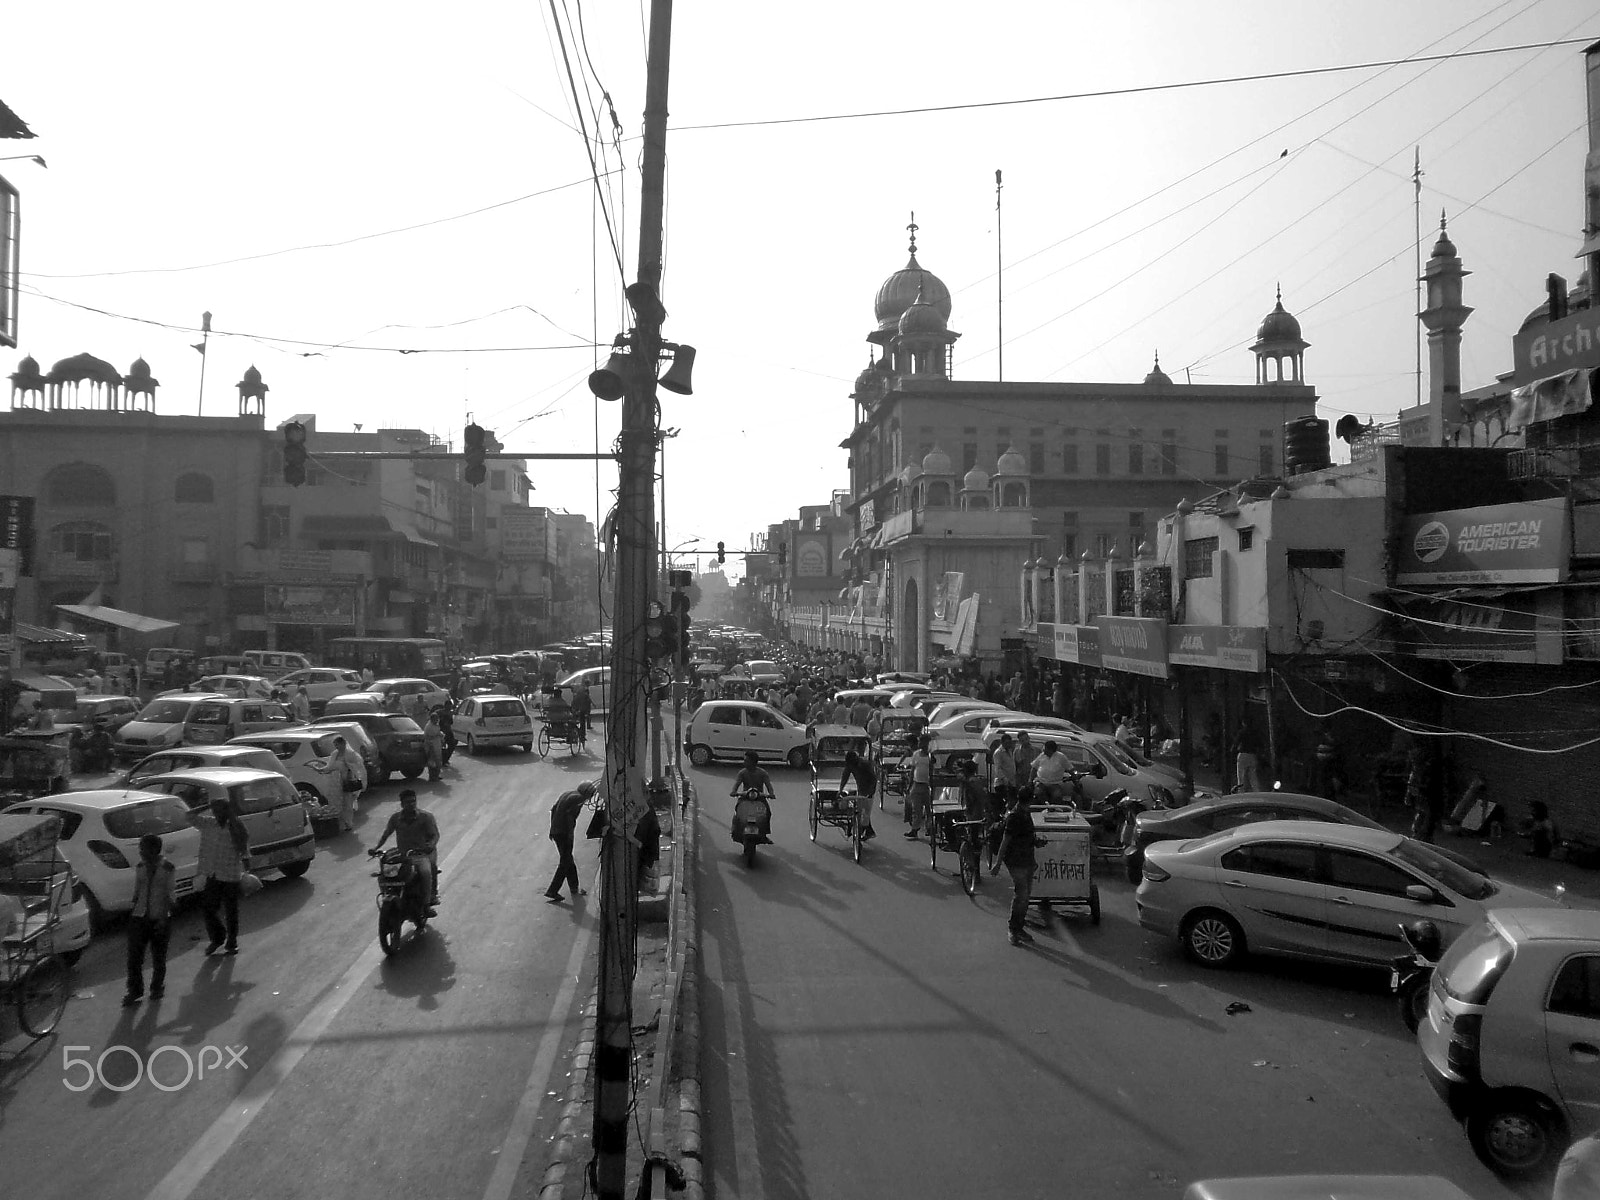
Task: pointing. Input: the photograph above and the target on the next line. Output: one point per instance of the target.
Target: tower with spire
(1443, 318)
(1278, 340)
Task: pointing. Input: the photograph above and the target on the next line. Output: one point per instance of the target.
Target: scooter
(1411, 974)
(752, 823)
(403, 889)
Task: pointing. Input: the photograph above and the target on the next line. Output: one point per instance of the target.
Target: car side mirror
(1421, 893)
(1099, 771)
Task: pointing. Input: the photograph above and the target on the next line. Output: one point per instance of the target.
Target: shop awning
(38, 635)
(116, 618)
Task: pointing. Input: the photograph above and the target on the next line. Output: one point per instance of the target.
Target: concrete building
(576, 584)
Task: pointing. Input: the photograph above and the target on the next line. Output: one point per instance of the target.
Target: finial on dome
(913, 227)
(1441, 220)
(1280, 294)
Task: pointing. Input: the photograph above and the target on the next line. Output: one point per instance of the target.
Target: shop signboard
(1137, 645)
(1484, 630)
(1069, 643)
(1226, 647)
(1528, 542)
(297, 604)
(16, 530)
(305, 562)
(1548, 349)
(522, 534)
(811, 558)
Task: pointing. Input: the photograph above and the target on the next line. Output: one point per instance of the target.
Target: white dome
(1011, 463)
(975, 480)
(936, 462)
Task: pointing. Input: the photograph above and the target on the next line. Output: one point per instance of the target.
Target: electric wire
(588, 148)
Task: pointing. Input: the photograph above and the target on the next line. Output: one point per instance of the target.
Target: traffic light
(660, 633)
(680, 616)
(783, 556)
(475, 472)
(294, 453)
(722, 555)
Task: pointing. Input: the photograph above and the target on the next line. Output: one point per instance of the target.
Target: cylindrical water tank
(1305, 445)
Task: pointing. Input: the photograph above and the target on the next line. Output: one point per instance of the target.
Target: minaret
(1443, 319)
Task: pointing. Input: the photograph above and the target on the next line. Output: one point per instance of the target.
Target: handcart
(35, 888)
(1063, 872)
(34, 763)
(898, 733)
(831, 804)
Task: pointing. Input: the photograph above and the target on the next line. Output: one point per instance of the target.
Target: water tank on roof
(1305, 445)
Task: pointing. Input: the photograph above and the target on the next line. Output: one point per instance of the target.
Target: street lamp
(667, 554)
(29, 157)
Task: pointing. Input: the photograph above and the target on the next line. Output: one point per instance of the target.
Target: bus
(391, 658)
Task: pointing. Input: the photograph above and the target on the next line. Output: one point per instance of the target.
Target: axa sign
(1529, 542)
(1229, 647)
(1137, 645)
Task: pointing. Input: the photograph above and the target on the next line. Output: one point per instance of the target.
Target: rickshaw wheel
(813, 817)
(969, 869)
(1094, 904)
(855, 841)
(42, 996)
(544, 742)
(933, 843)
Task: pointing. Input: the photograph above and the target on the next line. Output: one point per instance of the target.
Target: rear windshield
(147, 816)
(165, 712)
(404, 725)
(287, 748)
(1476, 963)
(210, 714)
(262, 795)
(504, 708)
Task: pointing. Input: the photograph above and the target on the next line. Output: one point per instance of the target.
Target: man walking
(300, 705)
(155, 894)
(919, 799)
(223, 846)
(433, 744)
(563, 829)
(1018, 841)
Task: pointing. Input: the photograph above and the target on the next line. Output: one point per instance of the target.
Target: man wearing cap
(563, 829)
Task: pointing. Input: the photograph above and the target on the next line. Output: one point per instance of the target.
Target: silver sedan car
(1311, 890)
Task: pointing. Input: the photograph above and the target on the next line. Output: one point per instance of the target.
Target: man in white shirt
(1050, 774)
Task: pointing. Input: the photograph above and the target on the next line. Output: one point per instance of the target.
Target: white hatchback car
(188, 758)
(305, 755)
(408, 690)
(159, 726)
(100, 834)
(249, 686)
(322, 684)
(267, 805)
(489, 720)
(730, 728)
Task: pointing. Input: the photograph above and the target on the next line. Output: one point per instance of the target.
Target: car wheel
(1212, 938)
(700, 756)
(97, 915)
(472, 745)
(295, 870)
(797, 758)
(1133, 863)
(385, 774)
(1516, 1136)
(309, 796)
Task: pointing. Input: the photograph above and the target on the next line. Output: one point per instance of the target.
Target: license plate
(504, 723)
(752, 829)
(278, 857)
(1394, 980)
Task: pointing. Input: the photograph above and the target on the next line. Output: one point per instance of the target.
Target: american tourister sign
(1529, 542)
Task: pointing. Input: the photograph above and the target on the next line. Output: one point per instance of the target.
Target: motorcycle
(403, 887)
(752, 823)
(1411, 974)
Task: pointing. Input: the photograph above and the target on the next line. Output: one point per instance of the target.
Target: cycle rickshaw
(950, 827)
(560, 724)
(831, 805)
(35, 888)
(898, 732)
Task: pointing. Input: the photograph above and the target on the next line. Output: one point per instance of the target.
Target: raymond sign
(1498, 543)
(1227, 647)
(1137, 645)
(289, 604)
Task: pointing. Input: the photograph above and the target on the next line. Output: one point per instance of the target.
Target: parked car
(274, 664)
(1216, 813)
(159, 726)
(407, 691)
(947, 710)
(189, 758)
(100, 832)
(494, 721)
(1511, 1035)
(923, 699)
(223, 718)
(112, 711)
(398, 740)
(354, 702)
(305, 754)
(266, 804)
(321, 684)
(40, 901)
(728, 728)
(1311, 890)
(1031, 722)
(226, 664)
(156, 659)
(597, 680)
(226, 685)
(356, 737)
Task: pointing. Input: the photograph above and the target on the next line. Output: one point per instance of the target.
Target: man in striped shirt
(223, 846)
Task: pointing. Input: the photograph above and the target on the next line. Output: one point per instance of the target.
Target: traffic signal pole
(630, 674)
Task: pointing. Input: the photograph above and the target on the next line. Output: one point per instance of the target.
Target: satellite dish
(1349, 429)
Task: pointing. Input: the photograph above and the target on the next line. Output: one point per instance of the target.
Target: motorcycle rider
(752, 777)
(415, 829)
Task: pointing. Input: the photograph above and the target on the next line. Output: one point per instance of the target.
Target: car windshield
(1114, 754)
(1436, 866)
(504, 708)
(147, 816)
(167, 712)
(404, 725)
(761, 666)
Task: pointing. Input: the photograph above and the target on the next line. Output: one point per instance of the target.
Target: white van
(274, 664)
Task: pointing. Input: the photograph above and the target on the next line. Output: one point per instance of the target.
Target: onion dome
(26, 378)
(1159, 378)
(81, 368)
(912, 472)
(1278, 325)
(936, 462)
(921, 317)
(907, 286)
(1577, 297)
(1444, 247)
(1011, 463)
(138, 378)
(975, 480)
(867, 379)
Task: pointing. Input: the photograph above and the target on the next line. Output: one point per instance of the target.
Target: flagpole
(1000, 283)
(205, 339)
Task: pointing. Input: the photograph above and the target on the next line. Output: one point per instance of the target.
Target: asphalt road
(430, 1075)
(869, 1031)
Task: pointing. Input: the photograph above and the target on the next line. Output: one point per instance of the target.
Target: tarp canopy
(117, 618)
(38, 635)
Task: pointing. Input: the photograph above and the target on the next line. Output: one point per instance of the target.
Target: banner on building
(295, 604)
(522, 535)
(1485, 629)
(1549, 349)
(16, 530)
(1528, 542)
(1070, 643)
(305, 562)
(964, 629)
(948, 597)
(1563, 395)
(1226, 647)
(1137, 645)
(811, 557)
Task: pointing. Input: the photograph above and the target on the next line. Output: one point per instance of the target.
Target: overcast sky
(411, 176)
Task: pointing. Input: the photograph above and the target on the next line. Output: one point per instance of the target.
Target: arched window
(194, 488)
(80, 484)
(86, 541)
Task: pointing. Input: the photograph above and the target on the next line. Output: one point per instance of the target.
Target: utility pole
(999, 283)
(630, 675)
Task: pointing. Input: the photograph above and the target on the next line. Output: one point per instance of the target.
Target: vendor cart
(35, 888)
(830, 803)
(34, 763)
(898, 733)
(1063, 872)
